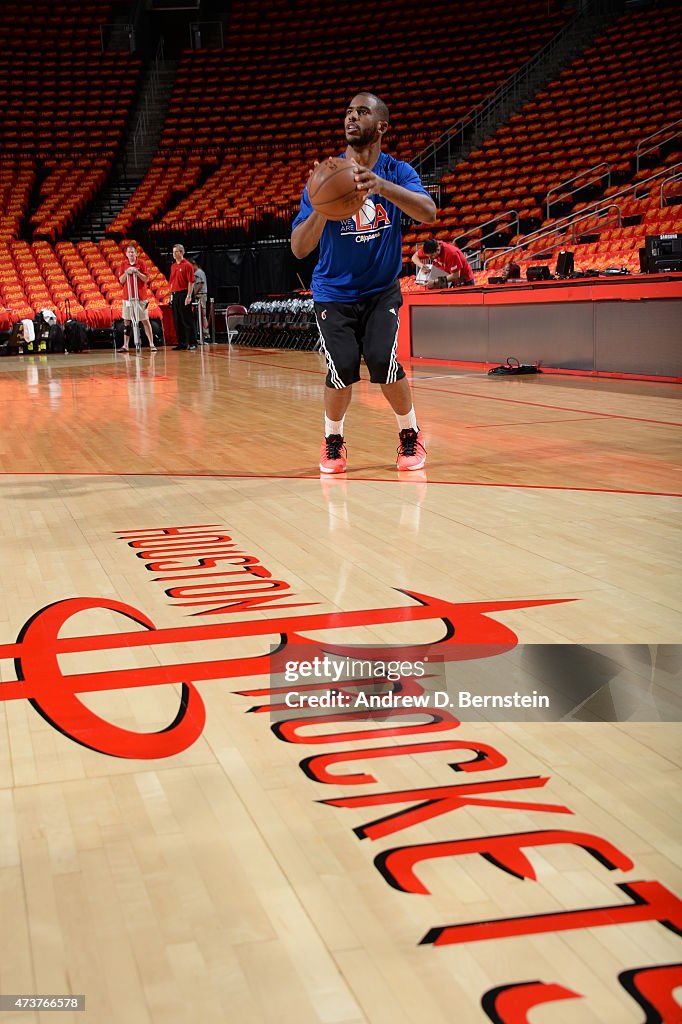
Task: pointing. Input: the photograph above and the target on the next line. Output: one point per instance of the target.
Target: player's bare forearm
(305, 236)
(416, 205)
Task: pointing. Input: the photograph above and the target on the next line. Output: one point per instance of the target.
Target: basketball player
(355, 288)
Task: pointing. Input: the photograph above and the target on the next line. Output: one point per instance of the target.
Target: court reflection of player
(412, 492)
(355, 288)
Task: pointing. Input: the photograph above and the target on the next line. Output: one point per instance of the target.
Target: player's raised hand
(366, 180)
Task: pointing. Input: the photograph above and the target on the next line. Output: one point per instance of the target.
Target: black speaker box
(668, 245)
(564, 264)
(538, 274)
(665, 265)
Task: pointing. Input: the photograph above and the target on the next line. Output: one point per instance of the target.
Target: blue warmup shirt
(362, 255)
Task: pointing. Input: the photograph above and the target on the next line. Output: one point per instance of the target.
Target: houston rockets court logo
(204, 571)
(55, 697)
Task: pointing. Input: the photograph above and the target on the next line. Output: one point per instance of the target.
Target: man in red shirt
(446, 257)
(181, 284)
(131, 272)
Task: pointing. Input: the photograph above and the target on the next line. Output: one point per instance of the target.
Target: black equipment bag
(55, 341)
(42, 332)
(49, 336)
(538, 274)
(8, 346)
(75, 334)
(513, 368)
(15, 341)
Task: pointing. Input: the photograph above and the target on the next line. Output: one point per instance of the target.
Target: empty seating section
(50, 25)
(68, 188)
(72, 279)
(170, 175)
(63, 100)
(64, 106)
(13, 284)
(82, 279)
(64, 298)
(33, 279)
(623, 88)
(277, 91)
(280, 181)
(615, 246)
(245, 124)
(17, 179)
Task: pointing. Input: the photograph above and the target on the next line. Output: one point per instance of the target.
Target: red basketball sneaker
(333, 454)
(411, 450)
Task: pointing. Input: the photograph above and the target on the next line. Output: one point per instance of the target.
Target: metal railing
(673, 129)
(144, 114)
(155, 70)
(450, 144)
(435, 191)
(672, 171)
(561, 188)
(138, 134)
(204, 34)
(561, 226)
(677, 176)
(473, 232)
(539, 236)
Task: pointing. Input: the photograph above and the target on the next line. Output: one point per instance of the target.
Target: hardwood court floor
(213, 884)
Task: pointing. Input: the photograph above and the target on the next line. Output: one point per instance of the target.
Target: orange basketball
(332, 189)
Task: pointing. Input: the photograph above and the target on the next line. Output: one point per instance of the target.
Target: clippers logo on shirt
(366, 224)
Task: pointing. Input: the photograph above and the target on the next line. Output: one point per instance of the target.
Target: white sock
(333, 426)
(408, 421)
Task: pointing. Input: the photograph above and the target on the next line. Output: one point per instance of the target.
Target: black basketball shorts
(366, 329)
